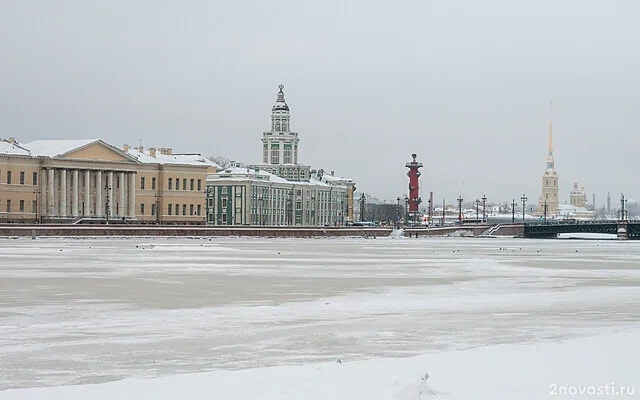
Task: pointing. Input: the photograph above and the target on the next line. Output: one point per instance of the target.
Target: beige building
(578, 197)
(91, 181)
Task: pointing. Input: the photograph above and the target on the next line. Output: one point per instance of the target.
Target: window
(287, 154)
(141, 208)
(265, 153)
(142, 183)
(199, 185)
(184, 184)
(153, 208)
(275, 154)
(224, 218)
(184, 209)
(8, 178)
(34, 206)
(22, 177)
(117, 182)
(191, 184)
(169, 208)
(35, 178)
(153, 183)
(170, 185)
(8, 206)
(190, 209)
(22, 205)
(224, 202)
(199, 209)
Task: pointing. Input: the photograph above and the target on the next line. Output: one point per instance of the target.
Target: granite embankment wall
(17, 230)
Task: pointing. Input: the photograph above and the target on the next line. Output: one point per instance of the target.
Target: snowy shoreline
(605, 362)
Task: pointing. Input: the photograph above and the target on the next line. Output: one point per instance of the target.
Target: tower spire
(550, 160)
(550, 129)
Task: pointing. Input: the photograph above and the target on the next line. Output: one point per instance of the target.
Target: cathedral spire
(550, 160)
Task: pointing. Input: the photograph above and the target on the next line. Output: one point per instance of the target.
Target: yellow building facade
(91, 181)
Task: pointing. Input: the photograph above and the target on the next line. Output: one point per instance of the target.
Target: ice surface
(95, 310)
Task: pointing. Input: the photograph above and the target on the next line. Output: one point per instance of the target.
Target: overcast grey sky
(464, 84)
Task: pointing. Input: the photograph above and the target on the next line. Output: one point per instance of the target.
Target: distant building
(549, 195)
(279, 191)
(92, 181)
(578, 197)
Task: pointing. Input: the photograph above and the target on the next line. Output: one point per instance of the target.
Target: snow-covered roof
(53, 148)
(12, 148)
(183, 159)
(250, 174)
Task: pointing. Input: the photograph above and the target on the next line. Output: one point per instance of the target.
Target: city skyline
(465, 86)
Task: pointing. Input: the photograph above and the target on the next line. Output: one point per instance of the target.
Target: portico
(76, 192)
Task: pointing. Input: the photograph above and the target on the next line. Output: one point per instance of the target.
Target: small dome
(280, 105)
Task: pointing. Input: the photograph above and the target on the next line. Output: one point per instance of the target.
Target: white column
(110, 188)
(132, 195)
(63, 192)
(74, 194)
(50, 192)
(99, 194)
(87, 193)
(121, 205)
(268, 151)
(43, 207)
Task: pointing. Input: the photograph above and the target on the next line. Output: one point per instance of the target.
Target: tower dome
(280, 105)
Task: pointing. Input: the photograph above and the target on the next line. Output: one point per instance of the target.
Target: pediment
(98, 151)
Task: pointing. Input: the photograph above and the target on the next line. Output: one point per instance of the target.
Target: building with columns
(279, 191)
(92, 181)
(242, 195)
(548, 201)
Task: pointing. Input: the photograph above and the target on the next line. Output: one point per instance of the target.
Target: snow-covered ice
(267, 318)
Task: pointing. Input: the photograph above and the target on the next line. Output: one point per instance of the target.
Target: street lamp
(477, 209)
(406, 207)
(398, 212)
(429, 211)
(157, 206)
(35, 209)
(108, 203)
(545, 211)
(513, 211)
(460, 209)
(484, 208)
(524, 200)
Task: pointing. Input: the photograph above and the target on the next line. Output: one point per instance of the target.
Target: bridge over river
(624, 229)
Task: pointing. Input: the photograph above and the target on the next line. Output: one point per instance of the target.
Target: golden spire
(550, 131)
(550, 161)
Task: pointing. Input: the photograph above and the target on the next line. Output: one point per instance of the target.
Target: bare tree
(222, 161)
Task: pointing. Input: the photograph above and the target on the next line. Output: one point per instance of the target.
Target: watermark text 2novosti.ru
(591, 390)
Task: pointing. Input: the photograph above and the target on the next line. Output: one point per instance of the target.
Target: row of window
(21, 179)
(192, 184)
(174, 209)
(21, 206)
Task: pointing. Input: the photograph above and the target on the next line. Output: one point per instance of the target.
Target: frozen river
(78, 311)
